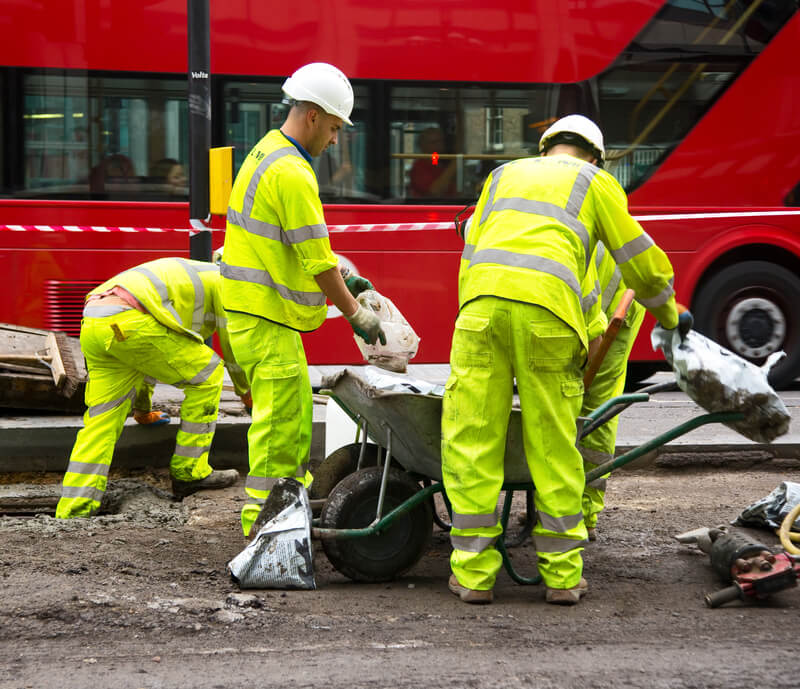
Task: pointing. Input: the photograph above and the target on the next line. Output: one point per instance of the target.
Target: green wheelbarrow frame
(378, 415)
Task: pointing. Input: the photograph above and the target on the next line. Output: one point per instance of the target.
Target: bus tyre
(338, 464)
(751, 309)
(352, 504)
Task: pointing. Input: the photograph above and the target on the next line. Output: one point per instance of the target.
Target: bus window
(104, 137)
(253, 108)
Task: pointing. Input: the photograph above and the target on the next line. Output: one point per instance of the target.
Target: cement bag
(279, 556)
(401, 340)
(769, 512)
(720, 381)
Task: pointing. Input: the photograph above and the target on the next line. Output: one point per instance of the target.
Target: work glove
(247, 400)
(356, 284)
(367, 326)
(685, 322)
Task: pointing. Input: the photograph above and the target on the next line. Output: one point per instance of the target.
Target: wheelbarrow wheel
(352, 504)
(338, 464)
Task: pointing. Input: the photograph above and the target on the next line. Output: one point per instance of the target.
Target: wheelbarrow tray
(410, 424)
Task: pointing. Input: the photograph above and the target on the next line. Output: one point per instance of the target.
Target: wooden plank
(56, 363)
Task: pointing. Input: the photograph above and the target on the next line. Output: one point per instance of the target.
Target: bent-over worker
(527, 311)
(151, 321)
(277, 269)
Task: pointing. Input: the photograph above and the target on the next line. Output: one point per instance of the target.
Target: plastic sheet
(769, 512)
(401, 340)
(280, 555)
(720, 381)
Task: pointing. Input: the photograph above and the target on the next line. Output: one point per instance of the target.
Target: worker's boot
(469, 595)
(567, 596)
(592, 532)
(151, 418)
(215, 480)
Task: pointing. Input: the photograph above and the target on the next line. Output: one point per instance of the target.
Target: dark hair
(573, 139)
(162, 167)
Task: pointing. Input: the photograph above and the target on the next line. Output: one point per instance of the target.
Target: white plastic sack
(399, 383)
(769, 512)
(401, 340)
(280, 555)
(720, 381)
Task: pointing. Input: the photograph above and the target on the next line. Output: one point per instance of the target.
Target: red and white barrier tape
(379, 227)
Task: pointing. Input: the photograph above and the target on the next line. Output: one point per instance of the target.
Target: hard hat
(216, 256)
(324, 85)
(577, 125)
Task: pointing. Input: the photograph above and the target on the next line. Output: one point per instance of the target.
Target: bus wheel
(751, 309)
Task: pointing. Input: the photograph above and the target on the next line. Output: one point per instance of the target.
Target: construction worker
(151, 322)
(609, 381)
(528, 310)
(277, 269)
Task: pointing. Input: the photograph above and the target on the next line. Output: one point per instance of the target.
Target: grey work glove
(367, 326)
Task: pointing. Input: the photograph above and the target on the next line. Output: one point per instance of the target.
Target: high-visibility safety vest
(276, 239)
(184, 296)
(533, 232)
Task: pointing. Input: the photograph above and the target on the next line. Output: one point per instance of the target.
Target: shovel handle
(608, 337)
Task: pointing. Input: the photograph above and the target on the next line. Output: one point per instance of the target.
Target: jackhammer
(750, 568)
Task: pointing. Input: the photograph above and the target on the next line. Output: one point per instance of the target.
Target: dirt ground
(142, 598)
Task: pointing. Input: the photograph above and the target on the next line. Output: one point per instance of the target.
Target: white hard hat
(325, 85)
(580, 126)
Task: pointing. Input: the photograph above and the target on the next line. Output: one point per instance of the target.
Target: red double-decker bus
(699, 101)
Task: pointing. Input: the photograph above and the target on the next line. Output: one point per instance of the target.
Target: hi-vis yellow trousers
(598, 447)
(120, 350)
(279, 439)
(496, 341)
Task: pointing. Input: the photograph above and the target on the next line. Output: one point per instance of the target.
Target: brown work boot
(469, 595)
(215, 480)
(567, 596)
(592, 532)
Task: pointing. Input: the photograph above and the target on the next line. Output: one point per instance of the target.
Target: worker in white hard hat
(278, 268)
(528, 310)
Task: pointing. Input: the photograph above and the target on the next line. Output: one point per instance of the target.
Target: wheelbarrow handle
(608, 337)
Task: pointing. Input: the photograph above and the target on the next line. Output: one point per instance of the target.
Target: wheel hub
(755, 328)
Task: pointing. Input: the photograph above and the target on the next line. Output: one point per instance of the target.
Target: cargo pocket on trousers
(572, 387)
(284, 379)
(554, 346)
(471, 342)
(448, 401)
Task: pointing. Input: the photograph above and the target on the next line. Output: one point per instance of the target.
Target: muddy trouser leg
(475, 412)
(598, 447)
(110, 390)
(279, 439)
(547, 358)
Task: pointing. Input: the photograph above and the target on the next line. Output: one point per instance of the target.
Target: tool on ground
(608, 336)
(750, 568)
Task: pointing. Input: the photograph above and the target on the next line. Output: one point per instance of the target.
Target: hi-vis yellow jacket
(184, 296)
(533, 233)
(276, 239)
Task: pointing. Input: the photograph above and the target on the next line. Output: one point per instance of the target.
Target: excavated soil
(141, 598)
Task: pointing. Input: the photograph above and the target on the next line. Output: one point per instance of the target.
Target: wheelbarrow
(377, 520)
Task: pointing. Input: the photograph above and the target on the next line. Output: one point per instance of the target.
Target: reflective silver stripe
(560, 524)
(260, 482)
(197, 428)
(598, 484)
(539, 263)
(469, 250)
(262, 277)
(599, 253)
(611, 289)
(103, 407)
(88, 492)
(474, 521)
(219, 321)
(87, 468)
(496, 174)
(276, 232)
(636, 246)
(472, 544)
(580, 188)
(301, 470)
(548, 210)
(161, 289)
(199, 295)
(255, 501)
(203, 375)
(660, 299)
(551, 544)
(100, 311)
(250, 194)
(590, 299)
(191, 451)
